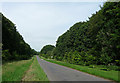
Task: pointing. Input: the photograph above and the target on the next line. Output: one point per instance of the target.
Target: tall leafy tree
(98, 38)
(13, 45)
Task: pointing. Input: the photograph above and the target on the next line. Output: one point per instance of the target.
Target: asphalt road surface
(60, 73)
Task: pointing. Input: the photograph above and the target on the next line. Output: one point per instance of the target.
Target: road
(60, 73)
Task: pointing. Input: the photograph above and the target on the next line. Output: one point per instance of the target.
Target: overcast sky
(41, 23)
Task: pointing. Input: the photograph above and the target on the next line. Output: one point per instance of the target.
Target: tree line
(13, 45)
(95, 41)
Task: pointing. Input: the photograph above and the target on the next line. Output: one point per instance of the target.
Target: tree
(46, 51)
(13, 45)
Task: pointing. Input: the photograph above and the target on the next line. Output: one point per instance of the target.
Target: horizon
(49, 20)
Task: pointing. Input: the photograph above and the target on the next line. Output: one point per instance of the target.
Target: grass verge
(0, 73)
(112, 75)
(35, 72)
(14, 71)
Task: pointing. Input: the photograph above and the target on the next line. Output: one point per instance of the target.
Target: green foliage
(96, 41)
(47, 51)
(13, 45)
(91, 66)
(73, 57)
(4, 53)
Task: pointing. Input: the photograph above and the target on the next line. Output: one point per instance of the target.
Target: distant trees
(46, 51)
(96, 41)
(13, 45)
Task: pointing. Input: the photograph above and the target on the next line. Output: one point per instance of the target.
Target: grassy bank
(14, 71)
(96, 70)
(35, 72)
(0, 73)
(24, 70)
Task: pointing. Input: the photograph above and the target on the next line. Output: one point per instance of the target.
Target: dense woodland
(13, 45)
(96, 41)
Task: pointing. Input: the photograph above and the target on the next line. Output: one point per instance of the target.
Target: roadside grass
(14, 71)
(35, 72)
(111, 74)
(0, 73)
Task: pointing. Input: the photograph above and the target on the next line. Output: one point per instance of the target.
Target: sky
(41, 23)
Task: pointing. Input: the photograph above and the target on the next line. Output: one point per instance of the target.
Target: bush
(112, 67)
(105, 69)
(6, 55)
(117, 62)
(91, 66)
(105, 59)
